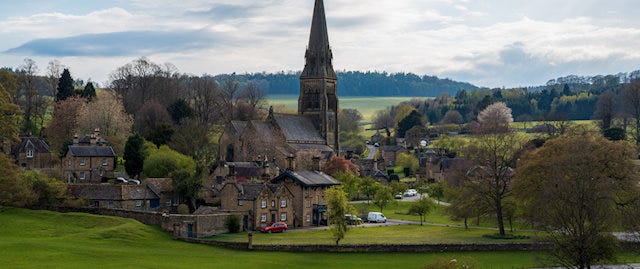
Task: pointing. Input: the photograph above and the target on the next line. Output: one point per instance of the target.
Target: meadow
(367, 105)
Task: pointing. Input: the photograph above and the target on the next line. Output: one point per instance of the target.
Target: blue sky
(489, 43)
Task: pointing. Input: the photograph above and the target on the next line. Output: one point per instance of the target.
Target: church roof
(238, 126)
(298, 128)
(323, 148)
(318, 55)
(308, 178)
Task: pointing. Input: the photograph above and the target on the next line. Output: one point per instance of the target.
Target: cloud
(119, 44)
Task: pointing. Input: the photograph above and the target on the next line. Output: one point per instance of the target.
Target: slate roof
(323, 148)
(31, 142)
(249, 191)
(308, 178)
(159, 185)
(264, 129)
(91, 151)
(298, 128)
(112, 192)
(246, 169)
(87, 140)
(239, 126)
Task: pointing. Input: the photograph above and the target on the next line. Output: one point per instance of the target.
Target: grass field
(366, 105)
(43, 239)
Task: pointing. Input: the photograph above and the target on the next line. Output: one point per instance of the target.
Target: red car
(277, 227)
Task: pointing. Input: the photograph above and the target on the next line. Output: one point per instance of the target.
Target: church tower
(318, 81)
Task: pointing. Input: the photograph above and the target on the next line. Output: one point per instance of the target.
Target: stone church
(295, 141)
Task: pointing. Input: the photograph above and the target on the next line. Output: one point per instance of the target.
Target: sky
(491, 43)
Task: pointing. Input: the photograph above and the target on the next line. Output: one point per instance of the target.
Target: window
(168, 202)
(263, 218)
(308, 217)
(110, 203)
(105, 162)
(308, 203)
(101, 172)
(82, 161)
(30, 153)
(96, 203)
(283, 216)
(240, 202)
(264, 204)
(283, 203)
(138, 203)
(82, 175)
(273, 203)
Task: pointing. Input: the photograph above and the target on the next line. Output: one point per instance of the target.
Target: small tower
(318, 81)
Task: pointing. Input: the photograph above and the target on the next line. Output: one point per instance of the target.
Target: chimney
(291, 163)
(75, 139)
(316, 163)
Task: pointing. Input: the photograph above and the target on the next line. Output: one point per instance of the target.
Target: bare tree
(384, 120)
(54, 70)
(631, 105)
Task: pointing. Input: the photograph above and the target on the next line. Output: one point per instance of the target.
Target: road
(372, 152)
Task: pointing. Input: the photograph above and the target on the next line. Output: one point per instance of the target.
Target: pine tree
(65, 86)
(134, 155)
(89, 91)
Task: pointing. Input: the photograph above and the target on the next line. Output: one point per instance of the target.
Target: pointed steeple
(318, 56)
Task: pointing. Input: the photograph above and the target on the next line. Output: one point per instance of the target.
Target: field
(366, 105)
(43, 239)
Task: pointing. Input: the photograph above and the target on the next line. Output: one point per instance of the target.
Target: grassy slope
(41, 239)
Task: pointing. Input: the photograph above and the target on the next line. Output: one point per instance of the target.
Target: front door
(273, 217)
(190, 230)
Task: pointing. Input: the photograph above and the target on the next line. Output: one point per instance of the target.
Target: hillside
(355, 83)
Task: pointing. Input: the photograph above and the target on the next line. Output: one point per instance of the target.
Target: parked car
(376, 217)
(398, 196)
(410, 192)
(363, 217)
(352, 219)
(277, 227)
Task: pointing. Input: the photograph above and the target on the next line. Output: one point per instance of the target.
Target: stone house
(261, 203)
(32, 153)
(163, 188)
(117, 196)
(308, 189)
(89, 160)
(390, 153)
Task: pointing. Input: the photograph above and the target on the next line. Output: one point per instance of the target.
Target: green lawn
(43, 239)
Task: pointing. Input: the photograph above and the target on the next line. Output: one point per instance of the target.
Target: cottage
(308, 189)
(260, 203)
(89, 160)
(116, 196)
(32, 153)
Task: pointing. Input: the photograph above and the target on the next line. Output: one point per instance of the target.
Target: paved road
(372, 152)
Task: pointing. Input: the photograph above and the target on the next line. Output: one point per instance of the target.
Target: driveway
(372, 152)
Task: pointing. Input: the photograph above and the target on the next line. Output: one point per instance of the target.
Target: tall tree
(383, 196)
(490, 179)
(413, 119)
(337, 207)
(54, 70)
(606, 109)
(65, 122)
(9, 120)
(630, 96)
(65, 86)
(384, 120)
(576, 200)
(188, 184)
(89, 91)
(32, 105)
(106, 112)
(495, 118)
(134, 154)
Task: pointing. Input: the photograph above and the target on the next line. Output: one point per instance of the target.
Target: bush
(452, 263)
(233, 224)
(183, 209)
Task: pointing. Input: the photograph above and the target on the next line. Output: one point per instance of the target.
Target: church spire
(318, 55)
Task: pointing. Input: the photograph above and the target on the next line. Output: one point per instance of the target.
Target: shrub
(233, 223)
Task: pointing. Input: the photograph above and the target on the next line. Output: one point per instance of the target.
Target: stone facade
(308, 189)
(33, 153)
(89, 160)
(117, 196)
(261, 203)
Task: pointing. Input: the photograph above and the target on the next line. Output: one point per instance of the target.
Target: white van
(376, 217)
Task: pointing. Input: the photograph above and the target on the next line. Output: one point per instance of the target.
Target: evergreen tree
(134, 155)
(65, 86)
(413, 119)
(89, 91)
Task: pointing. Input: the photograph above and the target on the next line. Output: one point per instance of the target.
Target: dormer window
(30, 153)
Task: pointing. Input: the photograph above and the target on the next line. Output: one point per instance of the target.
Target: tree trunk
(500, 217)
(466, 225)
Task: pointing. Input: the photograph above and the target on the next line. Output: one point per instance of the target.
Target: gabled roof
(308, 178)
(91, 151)
(159, 185)
(116, 192)
(245, 170)
(298, 128)
(238, 126)
(31, 143)
(249, 191)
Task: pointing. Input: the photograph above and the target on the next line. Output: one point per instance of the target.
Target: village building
(89, 160)
(116, 196)
(260, 203)
(313, 132)
(32, 153)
